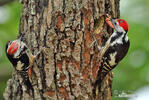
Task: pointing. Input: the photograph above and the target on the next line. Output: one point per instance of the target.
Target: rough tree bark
(67, 68)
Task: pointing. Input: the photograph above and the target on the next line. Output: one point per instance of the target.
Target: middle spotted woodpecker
(21, 58)
(114, 50)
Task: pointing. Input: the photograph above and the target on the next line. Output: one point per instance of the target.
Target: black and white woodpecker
(21, 58)
(114, 50)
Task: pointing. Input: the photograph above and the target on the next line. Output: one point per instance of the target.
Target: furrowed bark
(66, 69)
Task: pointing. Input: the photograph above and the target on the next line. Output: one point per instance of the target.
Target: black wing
(119, 51)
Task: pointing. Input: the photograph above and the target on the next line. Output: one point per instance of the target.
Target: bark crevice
(55, 77)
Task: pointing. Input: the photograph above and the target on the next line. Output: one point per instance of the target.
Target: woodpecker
(114, 50)
(21, 58)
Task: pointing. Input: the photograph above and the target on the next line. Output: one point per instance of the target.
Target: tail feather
(97, 83)
(26, 80)
(102, 72)
(28, 84)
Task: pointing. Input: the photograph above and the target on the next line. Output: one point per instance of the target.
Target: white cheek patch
(126, 38)
(118, 40)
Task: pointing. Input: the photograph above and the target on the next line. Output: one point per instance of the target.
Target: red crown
(13, 48)
(123, 24)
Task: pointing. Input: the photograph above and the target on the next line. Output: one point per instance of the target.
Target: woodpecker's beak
(12, 48)
(115, 25)
(20, 38)
(113, 22)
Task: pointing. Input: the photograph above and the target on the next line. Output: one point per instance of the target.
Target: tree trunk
(67, 68)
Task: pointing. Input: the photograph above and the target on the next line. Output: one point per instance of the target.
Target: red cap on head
(123, 24)
(13, 48)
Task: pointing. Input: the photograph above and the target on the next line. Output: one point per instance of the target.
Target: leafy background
(131, 77)
(9, 23)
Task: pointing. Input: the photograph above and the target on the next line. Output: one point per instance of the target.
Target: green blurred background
(9, 24)
(132, 74)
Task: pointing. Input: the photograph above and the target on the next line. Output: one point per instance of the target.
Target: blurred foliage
(130, 75)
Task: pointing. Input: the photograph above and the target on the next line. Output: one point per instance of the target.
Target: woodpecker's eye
(115, 23)
(121, 21)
